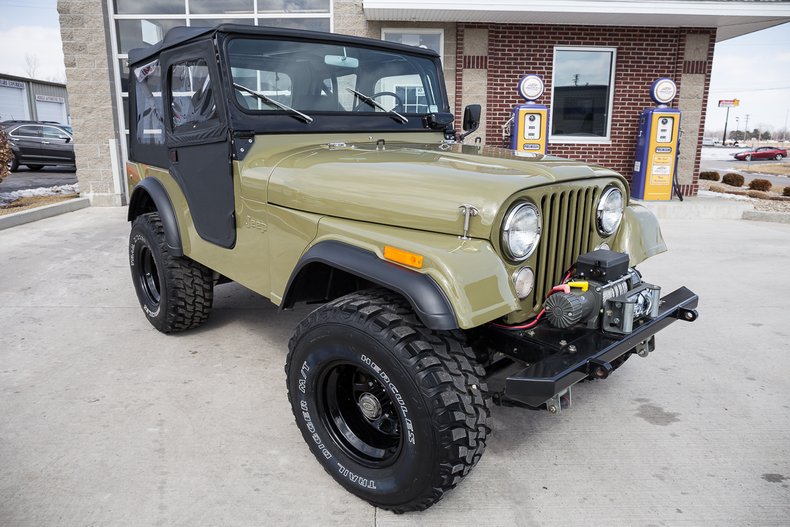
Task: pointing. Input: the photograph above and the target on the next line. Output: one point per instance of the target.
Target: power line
(751, 89)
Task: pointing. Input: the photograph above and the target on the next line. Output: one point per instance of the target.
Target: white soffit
(731, 18)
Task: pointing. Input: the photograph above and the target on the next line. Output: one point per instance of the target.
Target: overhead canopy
(731, 18)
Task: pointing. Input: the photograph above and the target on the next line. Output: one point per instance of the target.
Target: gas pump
(655, 160)
(530, 121)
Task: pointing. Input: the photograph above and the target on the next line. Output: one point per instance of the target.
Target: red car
(764, 152)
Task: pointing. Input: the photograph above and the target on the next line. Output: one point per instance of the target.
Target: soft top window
(191, 96)
(149, 118)
(318, 77)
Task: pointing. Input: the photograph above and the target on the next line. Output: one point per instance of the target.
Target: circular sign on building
(663, 90)
(531, 87)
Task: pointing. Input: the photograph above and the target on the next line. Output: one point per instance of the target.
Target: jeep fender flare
(426, 297)
(151, 196)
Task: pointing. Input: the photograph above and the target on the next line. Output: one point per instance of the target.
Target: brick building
(597, 57)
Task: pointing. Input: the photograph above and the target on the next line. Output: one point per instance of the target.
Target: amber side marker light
(403, 257)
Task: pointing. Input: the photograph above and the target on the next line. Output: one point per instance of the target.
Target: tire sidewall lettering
(304, 388)
(386, 380)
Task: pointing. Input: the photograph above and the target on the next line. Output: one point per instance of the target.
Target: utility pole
(727, 120)
(737, 128)
(746, 126)
(784, 132)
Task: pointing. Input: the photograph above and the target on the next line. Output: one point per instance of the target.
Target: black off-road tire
(429, 379)
(13, 164)
(175, 292)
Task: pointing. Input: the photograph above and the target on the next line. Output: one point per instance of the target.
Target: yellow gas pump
(655, 160)
(530, 120)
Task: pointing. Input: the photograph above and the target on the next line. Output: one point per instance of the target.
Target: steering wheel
(362, 105)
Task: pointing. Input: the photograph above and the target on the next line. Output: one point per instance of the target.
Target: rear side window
(192, 102)
(28, 131)
(148, 94)
(54, 133)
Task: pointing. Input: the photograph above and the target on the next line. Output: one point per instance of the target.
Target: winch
(602, 293)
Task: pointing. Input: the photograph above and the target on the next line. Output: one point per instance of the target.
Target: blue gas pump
(530, 120)
(655, 159)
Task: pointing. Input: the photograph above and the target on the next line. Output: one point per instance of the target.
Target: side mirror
(65, 138)
(471, 119)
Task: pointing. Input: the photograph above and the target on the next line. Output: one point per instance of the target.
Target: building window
(581, 99)
(421, 37)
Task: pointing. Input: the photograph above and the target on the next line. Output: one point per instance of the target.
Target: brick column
(91, 100)
(474, 76)
(693, 94)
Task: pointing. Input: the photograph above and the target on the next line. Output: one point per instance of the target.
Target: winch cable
(557, 288)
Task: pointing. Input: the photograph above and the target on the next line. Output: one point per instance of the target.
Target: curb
(47, 211)
(698, 208)
(772, 217)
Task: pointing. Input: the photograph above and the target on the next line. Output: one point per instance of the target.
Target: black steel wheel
(175, 292)
(395, 412)
(359, 414)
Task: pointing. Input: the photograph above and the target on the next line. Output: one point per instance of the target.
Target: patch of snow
(8, 197)
(722, 195)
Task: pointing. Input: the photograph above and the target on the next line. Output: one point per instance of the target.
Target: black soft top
(181, 35)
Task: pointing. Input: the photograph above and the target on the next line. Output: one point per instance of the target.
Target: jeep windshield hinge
(242, 142)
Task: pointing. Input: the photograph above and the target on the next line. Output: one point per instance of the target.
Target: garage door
(51, 111)
(13, 103)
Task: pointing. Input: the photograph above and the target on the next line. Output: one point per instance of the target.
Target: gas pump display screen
(666, 126)
(532, 126)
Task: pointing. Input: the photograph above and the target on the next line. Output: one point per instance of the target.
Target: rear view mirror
(341, 61)
(471, 119)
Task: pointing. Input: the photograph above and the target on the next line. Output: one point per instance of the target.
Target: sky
(31, 27)
(754, 68)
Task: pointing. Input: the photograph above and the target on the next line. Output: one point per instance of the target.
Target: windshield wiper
(372, 102)
(296, 113)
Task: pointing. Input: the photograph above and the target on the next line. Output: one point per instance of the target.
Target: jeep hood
(414, 186)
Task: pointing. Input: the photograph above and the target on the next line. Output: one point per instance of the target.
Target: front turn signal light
(400, 256)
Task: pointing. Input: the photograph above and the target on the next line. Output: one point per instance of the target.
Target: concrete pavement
(105, 421)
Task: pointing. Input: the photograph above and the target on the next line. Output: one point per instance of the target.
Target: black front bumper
(559, 358)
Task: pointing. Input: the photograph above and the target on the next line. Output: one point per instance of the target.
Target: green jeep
(323, 168)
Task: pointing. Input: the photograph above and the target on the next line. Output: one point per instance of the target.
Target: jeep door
(197, 140)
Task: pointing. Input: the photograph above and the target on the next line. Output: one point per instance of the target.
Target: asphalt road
(722, 166)
(105, 421)
(24, 178)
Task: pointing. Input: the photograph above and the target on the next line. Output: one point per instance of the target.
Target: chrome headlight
(521, 231)
(610, 211)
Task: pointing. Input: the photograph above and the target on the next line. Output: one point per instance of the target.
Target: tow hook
(559, 401)
(600, 369)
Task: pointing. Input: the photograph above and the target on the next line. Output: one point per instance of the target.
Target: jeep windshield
(333, 79)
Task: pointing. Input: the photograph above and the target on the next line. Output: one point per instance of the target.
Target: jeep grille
(568, 223)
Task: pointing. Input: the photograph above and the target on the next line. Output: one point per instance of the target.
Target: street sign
(729, 103)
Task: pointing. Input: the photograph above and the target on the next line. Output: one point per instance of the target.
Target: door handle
(44, 142)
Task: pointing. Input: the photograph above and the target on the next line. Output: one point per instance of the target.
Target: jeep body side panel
(639, 234)
(151, 194)
(469, 272)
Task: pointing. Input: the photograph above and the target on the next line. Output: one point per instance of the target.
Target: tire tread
(447, 372)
